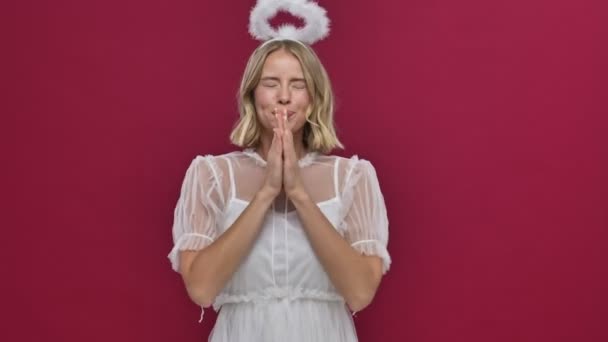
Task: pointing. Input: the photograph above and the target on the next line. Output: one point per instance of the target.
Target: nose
(284, 95)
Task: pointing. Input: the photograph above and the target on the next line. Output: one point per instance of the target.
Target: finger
(289, 139)
(285, 124)
(273, 143)
(280, 120)
(273, 115)
(277, 117)
(288, 148)
(278, 140)
(281, 137)
(286, 131)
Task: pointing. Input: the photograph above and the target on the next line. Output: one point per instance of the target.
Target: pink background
(486, 121)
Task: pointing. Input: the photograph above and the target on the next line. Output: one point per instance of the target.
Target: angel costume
(281, 292)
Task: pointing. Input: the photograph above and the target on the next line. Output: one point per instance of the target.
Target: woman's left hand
(292, 182)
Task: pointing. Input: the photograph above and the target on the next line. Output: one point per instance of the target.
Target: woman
(280, 236)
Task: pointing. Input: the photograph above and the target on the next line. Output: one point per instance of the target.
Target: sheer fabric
(281, 277)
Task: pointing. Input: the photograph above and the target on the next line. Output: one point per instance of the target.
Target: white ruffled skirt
(284, 320)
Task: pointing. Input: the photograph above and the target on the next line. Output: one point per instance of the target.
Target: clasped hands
(283, 170)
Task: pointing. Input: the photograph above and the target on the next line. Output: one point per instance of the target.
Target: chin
(296, 129)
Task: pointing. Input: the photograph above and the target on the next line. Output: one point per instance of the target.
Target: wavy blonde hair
(319, 132)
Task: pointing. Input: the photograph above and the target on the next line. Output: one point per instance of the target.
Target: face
(282, 86)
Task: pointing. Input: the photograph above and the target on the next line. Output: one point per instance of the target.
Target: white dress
(281, 292)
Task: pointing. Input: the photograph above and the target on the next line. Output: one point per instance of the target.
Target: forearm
(213, 266)
(351, 273)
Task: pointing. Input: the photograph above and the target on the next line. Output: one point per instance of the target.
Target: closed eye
(299, 85)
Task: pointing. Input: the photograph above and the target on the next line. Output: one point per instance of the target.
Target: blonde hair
(319, 134)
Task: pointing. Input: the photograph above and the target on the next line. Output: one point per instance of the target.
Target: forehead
(281, 62)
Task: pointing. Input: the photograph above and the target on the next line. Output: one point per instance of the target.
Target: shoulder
(355, 170)
(202, 162)
(215, 159)
(353, 163)
(214, 165)
(211, 171)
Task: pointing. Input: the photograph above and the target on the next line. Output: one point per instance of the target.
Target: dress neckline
(308, 158)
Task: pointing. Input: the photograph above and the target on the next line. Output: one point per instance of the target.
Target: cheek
(262, 97)
(303, 99)
(262, 103)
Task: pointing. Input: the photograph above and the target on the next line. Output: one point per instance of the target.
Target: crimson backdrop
(484, 119)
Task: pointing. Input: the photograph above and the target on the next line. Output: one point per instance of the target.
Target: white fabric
(280, 292)
(315, 18)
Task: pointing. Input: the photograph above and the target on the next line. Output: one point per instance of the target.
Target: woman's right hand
(274, 165)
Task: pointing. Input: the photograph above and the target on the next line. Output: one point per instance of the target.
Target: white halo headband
(316, 22)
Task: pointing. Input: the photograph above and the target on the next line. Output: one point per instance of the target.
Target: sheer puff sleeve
(198, 208)
(364, 219)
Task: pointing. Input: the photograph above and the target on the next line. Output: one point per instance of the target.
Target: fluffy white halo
(315, 19)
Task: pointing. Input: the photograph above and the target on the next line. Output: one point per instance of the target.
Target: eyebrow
(270, 78)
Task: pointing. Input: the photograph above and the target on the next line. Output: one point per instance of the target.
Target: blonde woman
(282, 238)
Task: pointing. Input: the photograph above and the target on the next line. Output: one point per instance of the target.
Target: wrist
(298, 196)
(264, 196)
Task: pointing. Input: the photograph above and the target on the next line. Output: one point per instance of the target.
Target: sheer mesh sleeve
(197, 209)
(364, 219)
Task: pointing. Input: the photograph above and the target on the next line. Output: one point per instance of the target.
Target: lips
(290, 113)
